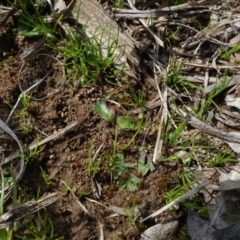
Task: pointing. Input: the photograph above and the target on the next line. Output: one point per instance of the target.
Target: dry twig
(203, 127)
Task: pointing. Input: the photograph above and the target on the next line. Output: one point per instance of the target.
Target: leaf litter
(185, 57)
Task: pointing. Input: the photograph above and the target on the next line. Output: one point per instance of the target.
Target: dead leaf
(59, 6)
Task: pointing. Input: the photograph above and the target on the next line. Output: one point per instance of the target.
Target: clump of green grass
(40, 227)
(85, 61)
(226, 55)
(31, 21)
(212, 96)
(178, 83)
(22, 115)
(118, 3)
(175, 2)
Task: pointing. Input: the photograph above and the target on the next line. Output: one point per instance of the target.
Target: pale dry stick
(197, 48)
(155, 13)
(147, 107)
(118, 210)
(158, 144)
(162, 99)
(188, 45)
(156, 38)
(235, 40)
(101, 231)
(179, 111)
(117, 104)
(10, 13)
(160, 23)
(24, 93)
(79, 203)
(44, 141)
(163, 121)
(203, 127)
(178, 200)
(95, 185)
(25, 209)
(206, 75)
(214, 61)
(33, 50)
(98, 150)
(4, 9)
(230, 66)
(94, 201)
(164, 117)
(212, 30)
(164, 73)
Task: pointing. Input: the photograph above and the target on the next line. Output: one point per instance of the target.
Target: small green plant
(145, 168)
(170, 138)
(126, 123)
(131, 214)
(118, 3)
(105, 112)
(178, 83)
(137, 97)
(220, 159)
(93, 169)
(25, 100)
(226, 55)
(176, 192)
(5, 233)
(29, 154)
(175, 2)
(122, 122)
(172, 36)
(23, 114)
(183, 233)
(120, 168)
(130, 183)
(39, 228)
(31, 22)
(210, 100)
(45, 176)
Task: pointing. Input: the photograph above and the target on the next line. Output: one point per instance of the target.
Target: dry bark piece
(33, 50)
(178, 200)
(44, 141)
(27, 208)
(203, 127)
(59, 6)
(155, 13)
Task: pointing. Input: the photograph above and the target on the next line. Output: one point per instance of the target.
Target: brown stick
(44, 141)
(27, 208)
(203, 127)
